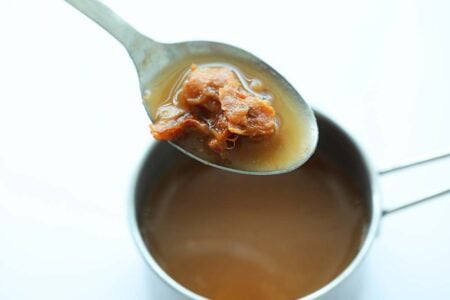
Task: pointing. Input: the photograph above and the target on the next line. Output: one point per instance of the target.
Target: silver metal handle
(409, 165)
(109, 20)
(146, 53)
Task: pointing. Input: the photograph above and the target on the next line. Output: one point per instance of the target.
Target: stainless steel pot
(335, 142)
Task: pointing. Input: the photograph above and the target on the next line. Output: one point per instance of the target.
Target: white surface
(72, 130)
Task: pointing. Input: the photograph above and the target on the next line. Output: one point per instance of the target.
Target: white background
(73, 130)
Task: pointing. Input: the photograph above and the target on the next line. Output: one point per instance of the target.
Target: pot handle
(409, 165)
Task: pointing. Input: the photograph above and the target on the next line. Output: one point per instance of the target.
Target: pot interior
(335, 148)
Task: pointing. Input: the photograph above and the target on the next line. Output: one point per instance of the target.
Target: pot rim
(373, 223)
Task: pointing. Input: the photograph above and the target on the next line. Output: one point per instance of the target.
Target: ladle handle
(109, 20)
(148, 55)
(409, 165)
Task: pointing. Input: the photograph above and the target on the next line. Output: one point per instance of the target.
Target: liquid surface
(230, 236)
(288, 147)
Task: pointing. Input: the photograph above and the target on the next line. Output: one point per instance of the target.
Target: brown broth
(289, 145)
(230, 236)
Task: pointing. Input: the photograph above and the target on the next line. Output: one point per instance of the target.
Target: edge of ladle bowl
(199, 48)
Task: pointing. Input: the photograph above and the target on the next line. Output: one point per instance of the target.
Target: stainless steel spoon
(151, 57)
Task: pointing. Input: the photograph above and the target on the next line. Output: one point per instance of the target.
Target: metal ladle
(151, 57)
